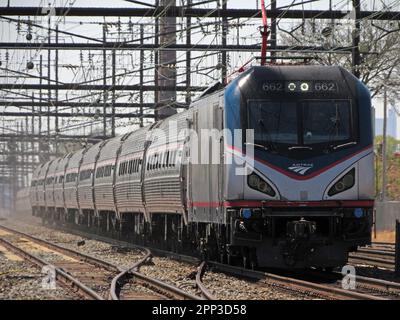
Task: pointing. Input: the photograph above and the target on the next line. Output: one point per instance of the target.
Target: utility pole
(25, 157)
(355, 51)
(273, 31)
(224, 56)
(188, 55)
(384, 163)
(141, 75)
(167, 63)
(397, 249)
(113, 95)
(156, 59)
(48, 82)
(40, 108)
(104, 81)
(33, 125)
(332, 31)
(56, 96)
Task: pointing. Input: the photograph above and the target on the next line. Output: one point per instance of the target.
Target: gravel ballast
(179, 274)
(19, 280)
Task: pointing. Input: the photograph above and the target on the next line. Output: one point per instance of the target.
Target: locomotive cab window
(326, 121)
(306, 124)
(273, 122)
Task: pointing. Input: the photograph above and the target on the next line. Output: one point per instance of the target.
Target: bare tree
(379, 47)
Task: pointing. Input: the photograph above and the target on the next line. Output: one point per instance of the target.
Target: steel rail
(384, 285)
(67, 251)
(231, 269)
(167, 289)
(384, 243)
(132, 272)
(204, 291)
(124, 275)
(372, 251)
(325, 291)
(62, 277)
(372, 261)
(118, 280)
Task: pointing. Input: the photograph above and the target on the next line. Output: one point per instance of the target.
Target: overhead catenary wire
(129, 77)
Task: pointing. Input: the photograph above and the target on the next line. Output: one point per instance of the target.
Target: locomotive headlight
(292, 86)
(348, 180)
(345, 183)
(304, 86)
(339, 186)
(256, 183)
(264, 187)
(253, 181)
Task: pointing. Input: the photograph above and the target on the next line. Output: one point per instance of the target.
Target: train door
(185, 173)
(204, 175)
(189, 149)
(216, 167)
(221, 166)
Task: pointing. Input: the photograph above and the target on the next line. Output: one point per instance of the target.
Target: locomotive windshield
(308, 123)
(274, 122)
(326, 121)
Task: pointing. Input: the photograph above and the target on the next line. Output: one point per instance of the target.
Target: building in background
(6, 196)
(378, 126)
(392, 122)
(391, 129)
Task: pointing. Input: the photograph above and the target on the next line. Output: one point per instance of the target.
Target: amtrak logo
(301, 168)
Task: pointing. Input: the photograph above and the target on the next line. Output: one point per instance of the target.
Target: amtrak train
(297, 191)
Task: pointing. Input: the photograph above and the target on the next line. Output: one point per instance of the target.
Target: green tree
(393, 167)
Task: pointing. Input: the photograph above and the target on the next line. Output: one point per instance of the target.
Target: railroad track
(368, 288)
(375, 258)
(137, 282)
(378, 287)
(287, 283)
(90, 277)
(379, 254)
(377, 251)
(384, 244)
(199, 282)
(368, 285)
(313, 288)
